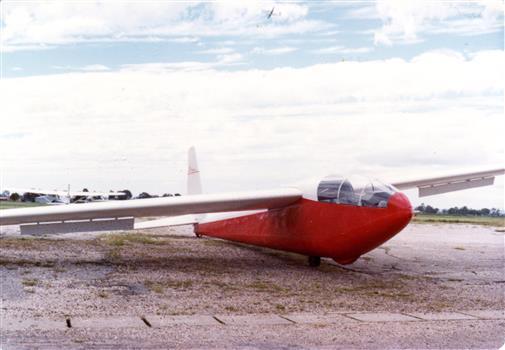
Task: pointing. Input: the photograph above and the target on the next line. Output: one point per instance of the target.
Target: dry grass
(453, 219)
(269, 287)
(29, 282)
(103, 294)
(280, 307)
(12, 205)
(113, 256)
(160, 286)
(119, 240)
(154, 287)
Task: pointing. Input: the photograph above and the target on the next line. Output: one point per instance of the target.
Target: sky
(110, 95)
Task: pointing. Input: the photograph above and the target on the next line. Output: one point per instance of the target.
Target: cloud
(94, 68)
(226, 59)
(47, 24)
(438, 112)
(232, 59)
(183, 39)
(343, 50)
(406, 21)
(217, 51)
(87, 68)
(7, 48)
(273, 51)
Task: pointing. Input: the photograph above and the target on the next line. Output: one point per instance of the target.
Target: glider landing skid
(314, 261)
(195, 231)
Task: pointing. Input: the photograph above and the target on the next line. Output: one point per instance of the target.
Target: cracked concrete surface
(437, 273)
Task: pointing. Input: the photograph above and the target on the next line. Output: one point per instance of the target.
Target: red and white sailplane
(336, 217)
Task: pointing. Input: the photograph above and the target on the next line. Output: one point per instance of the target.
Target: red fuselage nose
(339, 231)
(400, 207)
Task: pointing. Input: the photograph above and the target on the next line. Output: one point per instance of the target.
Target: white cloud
(274, 51)
(343, 50)
(94, 68)
(32, 25)
(255, 128)
(217, 51)
(6, 48)
(362, 11)
(232, 59)
(87, 68)
(406, 21)
(184, 39)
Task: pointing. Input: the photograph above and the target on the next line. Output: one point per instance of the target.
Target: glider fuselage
(339, 231)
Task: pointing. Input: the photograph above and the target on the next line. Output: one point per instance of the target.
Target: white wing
(449, 183)
(168, 206)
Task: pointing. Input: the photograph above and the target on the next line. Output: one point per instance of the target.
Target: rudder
(194, 182)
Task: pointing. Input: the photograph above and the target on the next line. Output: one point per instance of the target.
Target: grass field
(453, 219)
(10, 205)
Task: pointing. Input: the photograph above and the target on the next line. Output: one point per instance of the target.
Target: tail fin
(194, 182)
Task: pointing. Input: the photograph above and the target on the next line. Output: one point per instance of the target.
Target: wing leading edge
(168, 206)
(449, 183)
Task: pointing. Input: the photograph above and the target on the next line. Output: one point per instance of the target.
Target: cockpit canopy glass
(354, 191)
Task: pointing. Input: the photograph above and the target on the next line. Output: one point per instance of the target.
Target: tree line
(464, 211)
(127, 194)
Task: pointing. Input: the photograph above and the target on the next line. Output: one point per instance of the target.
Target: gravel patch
(167, 272)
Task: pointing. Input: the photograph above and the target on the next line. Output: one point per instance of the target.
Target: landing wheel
(314, 261)
(198, 235)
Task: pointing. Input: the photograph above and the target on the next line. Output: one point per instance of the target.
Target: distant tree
(127, 194)
(464, 210)
(14, 197)
(430, 210)
(485, 212)
(453, 211)
(144, 195)
(177, 194)
(167, 195)
(473, 212)
(85, 190)
(420, 208)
